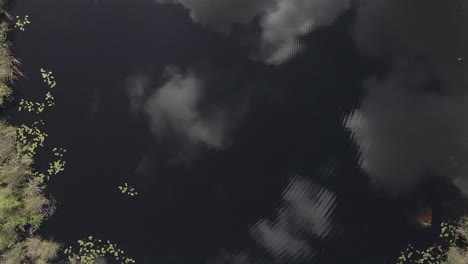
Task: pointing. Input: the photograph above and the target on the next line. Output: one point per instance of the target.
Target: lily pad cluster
(55, 167)
(90, 249)
(29, 138)
(48, 78)
(21, 23)
(39, 107)
(58, 165)
(127, 189)
(452, 236)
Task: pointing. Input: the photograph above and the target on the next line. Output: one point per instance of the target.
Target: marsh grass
(459, 254)
(22, 205)
(456, 256)
(14, 256)
(9, 65)
(39, 250)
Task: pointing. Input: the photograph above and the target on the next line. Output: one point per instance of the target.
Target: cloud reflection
(413, 120)
(282, 22)
(185, 111)
(305, 212)
(304, 215)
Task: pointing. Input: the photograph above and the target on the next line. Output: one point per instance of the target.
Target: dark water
(241, 157)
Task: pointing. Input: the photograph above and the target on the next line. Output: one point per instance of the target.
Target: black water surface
(190, 212)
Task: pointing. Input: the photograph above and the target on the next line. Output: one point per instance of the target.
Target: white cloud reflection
(305, 214)
(413, 121)
(183, 110)
(173, 108)
(282, 22)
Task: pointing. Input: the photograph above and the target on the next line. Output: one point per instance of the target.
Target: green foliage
(5, 93)
(8, 64)
(32, 250)
(91, 248)
(40, 251)
(22, 200)
(23, 205)
(21, 23)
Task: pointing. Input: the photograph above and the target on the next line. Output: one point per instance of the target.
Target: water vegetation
(39, 107)
(91, 248)
(24, 205)
(23, 202)
(48, 78)
(22, 22)
(451, 249)
(127, 189)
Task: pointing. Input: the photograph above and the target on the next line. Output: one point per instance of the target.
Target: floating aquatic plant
(39, 107)
(29, 138)
(446, 251)
(48, 78)
(22, 22)
(127, 189)
(90, 249)
(55, 167)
